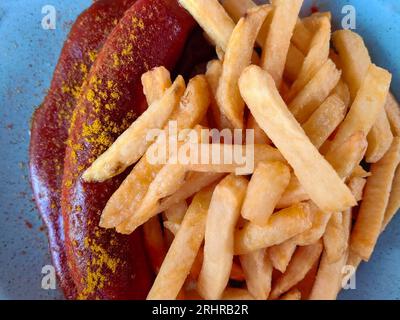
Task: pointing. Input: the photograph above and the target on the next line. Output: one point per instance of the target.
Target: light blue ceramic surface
(28, 55)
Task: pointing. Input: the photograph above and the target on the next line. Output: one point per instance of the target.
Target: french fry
(258, 272)
(354, 57)
(277, 42)
(315, 92)
(213, 74)
(236, 294)
(282, 226)
(356, 185)
(124, 202)
(325, 120)
(213, 18)
(236, 273)
(127, 197)
(393, 113)
(155, 82)
(259, 135)
(294, 294)
(176, 212)
(183, 250)
(294, 61)
(315, 59)
(168, 180)
(347, 225)
(303, 260)
(329, 278)
(281, 254)
(132, 144)
(318, 178)
(345, 158)
(228, 164)
(196, 182)
(357, 61)
(342, 90)
(238, 8)
(193, 105)
(293, 194)
(218, 245)
(380, 139)
(335, 240)
(154, 243)
(394, 200)
(302, 37)
(319, 222)
(312, 22)
(237, 57)
(266, 187)
(376, 196)
(369, 102)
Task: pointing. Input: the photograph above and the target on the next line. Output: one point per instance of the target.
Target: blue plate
(28, 55)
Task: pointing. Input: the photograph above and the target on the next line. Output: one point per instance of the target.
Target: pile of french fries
(326, 180)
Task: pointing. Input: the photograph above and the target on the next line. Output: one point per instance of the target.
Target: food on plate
(254, 162)
(376, 196)
(214, 20)
(323, 122)
(317, 55)
(335, 242)
(237, 57)
(371, 96)
(277, 40)
(102, 261)
(126, 199)
(50, 122)
(315, 91)
(282, 226)
(185, 245)
(222, 218)
(257, 268)
(132, 144)
(318, 178)
(265, 189)
(394, 200)
(303, 260)
(281, 254)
